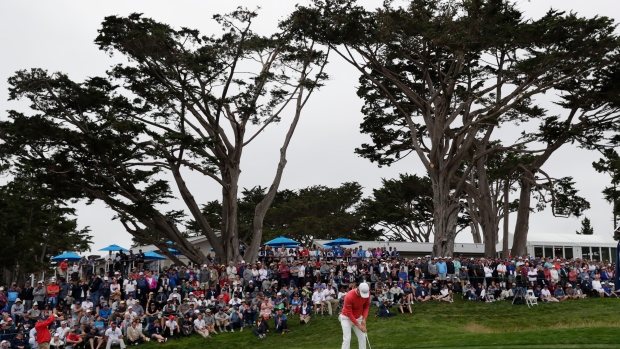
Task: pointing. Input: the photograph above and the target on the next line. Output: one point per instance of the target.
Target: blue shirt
(105, 313)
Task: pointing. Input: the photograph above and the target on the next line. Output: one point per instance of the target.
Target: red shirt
(355, 306)
(43, 333)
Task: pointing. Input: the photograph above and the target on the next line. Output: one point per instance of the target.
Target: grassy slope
(591, 323)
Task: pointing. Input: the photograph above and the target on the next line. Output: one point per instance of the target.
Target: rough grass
(587, 323)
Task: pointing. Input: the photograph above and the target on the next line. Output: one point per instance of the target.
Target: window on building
(585, 253)
(596, 253)
(548, 251)
(558, 252)
(538, 251)
(605, 254)
(568, 252)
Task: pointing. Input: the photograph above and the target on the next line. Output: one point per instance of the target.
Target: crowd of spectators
(130, 304)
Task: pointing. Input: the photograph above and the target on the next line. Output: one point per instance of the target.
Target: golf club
(368, 341)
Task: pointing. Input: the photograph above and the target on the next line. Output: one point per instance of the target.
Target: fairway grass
(587, 323)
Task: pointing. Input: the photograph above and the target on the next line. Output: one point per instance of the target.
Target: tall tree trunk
(519, 243)
(445, 214)
(230, 222)
(475, 232)
(505, 251)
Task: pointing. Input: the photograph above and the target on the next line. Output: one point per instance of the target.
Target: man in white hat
(354, 314)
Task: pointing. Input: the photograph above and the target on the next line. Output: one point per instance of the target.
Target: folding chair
(530, 298)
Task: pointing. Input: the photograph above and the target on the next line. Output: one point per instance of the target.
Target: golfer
(354, 314)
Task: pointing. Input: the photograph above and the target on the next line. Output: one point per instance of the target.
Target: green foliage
(179, 103)
(37, 224)
(586, 227)
(610, 164)
(316, 212)
(402, 209)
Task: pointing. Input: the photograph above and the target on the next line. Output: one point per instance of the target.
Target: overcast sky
(58, 36)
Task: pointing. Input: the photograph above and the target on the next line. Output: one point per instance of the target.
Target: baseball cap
(364, 290)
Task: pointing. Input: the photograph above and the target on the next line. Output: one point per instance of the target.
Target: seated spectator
(445, 295)
(545, 295)
(210, 321)
(19, 342)
(221, 320)
(579, 293)
(305, 312)
(114, 336)
(171, 328)
(559, 294)
(608, 291)
(597, 286)
(156, 332)
(281, 322)
(187, 326)
(384, 309)
(200, 326)
(56, 342)
(93, 339)
(422, 294)
(236, 319)
(262, 327)
(73, 340)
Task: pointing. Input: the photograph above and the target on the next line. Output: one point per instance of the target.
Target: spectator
(171, 328)
(210, 321)
(135, 335)
(38, 293)
(281, 322)
(19, 342)
(156, 331)
(199, 325)
(73, 340)
(221, 320)
(114, 336)
(262, 328)
(187, 326)
(56, 342)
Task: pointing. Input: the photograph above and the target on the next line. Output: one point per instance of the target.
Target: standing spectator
(52, 291)
(26, 295)
(140, 260)
(39, 293)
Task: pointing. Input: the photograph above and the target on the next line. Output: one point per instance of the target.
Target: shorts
(442, 277)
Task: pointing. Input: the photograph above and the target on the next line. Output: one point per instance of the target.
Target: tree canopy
(183, 102)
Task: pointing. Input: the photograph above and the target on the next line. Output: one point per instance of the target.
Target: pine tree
(586, 228)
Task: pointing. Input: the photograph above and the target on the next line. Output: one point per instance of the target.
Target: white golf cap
(364, 290)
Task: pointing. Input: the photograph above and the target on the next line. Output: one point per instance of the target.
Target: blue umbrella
(114, 248)
(151, 255)
(281, 240)
(341, 242)
(70, 256)
(173, 251)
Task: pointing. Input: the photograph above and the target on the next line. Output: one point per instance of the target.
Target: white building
(598, 247)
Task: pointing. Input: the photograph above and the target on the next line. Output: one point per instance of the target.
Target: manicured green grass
(587, 323)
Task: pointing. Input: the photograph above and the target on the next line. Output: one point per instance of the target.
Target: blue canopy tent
(281, 240)
(151, 255)
(172, 250)
(69, 256)
(341, 242)
(112, 248)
